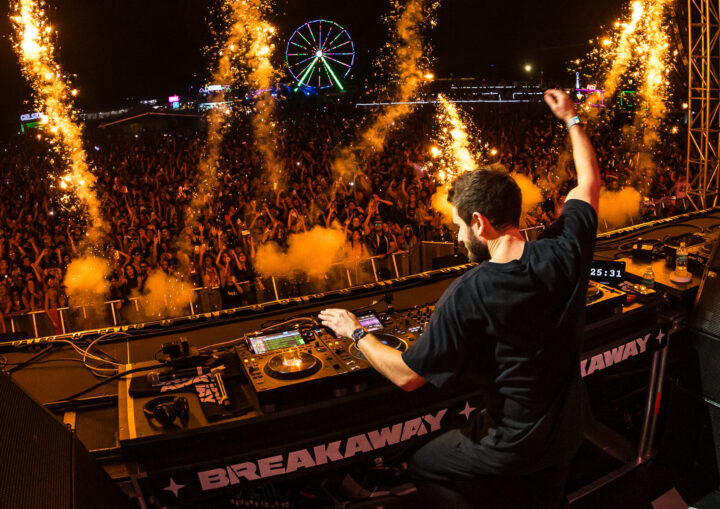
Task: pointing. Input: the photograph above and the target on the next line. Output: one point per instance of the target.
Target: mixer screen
(370, 321)
(267, 343)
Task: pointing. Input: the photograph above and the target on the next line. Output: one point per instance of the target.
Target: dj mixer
(309, 363)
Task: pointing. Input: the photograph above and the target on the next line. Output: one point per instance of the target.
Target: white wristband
(573, 121)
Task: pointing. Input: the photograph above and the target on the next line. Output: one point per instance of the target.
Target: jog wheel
(385, 339)
(292, 366)
(593, 293)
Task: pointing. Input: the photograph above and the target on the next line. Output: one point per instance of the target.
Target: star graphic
(660, 336)
(467, 410)
(174, 487)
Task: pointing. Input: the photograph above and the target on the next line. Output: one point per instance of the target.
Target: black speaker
(42, 463)
(706, 314)
(708, 354)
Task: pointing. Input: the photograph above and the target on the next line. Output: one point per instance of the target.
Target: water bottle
(648, 279)
(681, 259)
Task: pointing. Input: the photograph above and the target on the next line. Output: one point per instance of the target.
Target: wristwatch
(358, 334)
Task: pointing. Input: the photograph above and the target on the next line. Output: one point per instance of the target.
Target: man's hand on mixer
(341, 321)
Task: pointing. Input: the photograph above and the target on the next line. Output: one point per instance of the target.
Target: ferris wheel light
(319, 55)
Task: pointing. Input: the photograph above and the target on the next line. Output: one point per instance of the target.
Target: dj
(513, 324)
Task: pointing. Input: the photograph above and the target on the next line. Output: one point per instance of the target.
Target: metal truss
(703, 163)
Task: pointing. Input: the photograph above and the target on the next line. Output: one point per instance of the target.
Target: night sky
(124, 51)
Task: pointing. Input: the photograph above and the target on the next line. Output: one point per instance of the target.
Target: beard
(477, 249)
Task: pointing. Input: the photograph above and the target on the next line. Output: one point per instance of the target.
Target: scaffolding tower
(703, 163)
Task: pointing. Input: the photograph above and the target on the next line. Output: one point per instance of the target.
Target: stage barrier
(340, 276)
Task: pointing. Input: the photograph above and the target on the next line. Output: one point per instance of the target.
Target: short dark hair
(492, 192)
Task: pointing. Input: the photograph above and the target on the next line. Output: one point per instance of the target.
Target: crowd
(145, 180)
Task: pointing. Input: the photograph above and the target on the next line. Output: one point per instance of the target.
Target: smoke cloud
(441, 204)
(166, 295)
(531, 193)
(618, 208)
(311, 252)
(86, 280)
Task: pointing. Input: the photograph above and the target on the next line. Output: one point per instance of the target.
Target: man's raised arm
(588, 174)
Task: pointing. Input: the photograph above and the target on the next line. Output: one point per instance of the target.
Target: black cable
(621, 238)
(372, 304)
(271, 324)
(106, 381)
(54, 359)
(31, 359)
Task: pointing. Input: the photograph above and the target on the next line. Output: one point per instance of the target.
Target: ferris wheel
(320, 55)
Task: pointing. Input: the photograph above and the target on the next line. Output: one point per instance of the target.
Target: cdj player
(276, 365)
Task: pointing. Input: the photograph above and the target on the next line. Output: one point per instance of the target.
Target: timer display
(607, 272)
(611, 273)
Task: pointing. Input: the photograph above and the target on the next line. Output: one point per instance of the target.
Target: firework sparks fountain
(85, 279)
(639, 56)
(249, 40)
(36, 51)
(408, 57)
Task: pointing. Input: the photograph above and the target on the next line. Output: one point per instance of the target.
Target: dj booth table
(204, 460)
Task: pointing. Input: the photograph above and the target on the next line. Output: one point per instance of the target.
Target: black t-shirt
(379, 243)
(515, 329)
